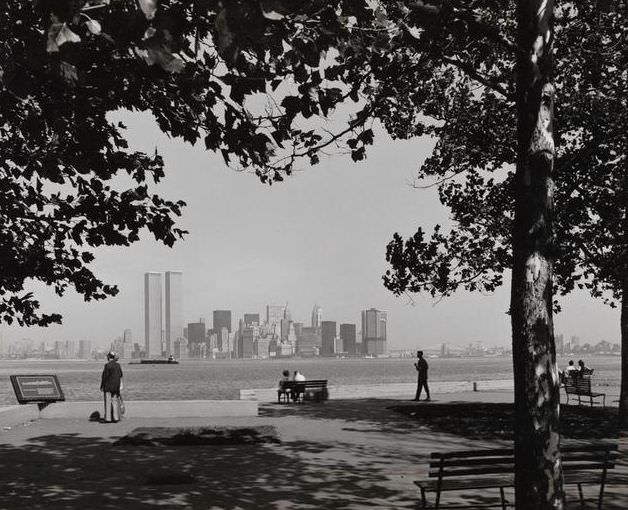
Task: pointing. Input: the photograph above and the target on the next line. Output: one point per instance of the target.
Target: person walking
(421, 368)
(110, 385)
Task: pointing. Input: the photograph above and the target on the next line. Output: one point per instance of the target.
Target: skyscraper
(197, 334)
(222, 319)
(274, 316)
(251, 318)
(309, 341)
(152, 314)
(222, 339)
(174, 308)
(317, 316)
(328, 334)
(373, 331)
(85, 349)
(347, 333)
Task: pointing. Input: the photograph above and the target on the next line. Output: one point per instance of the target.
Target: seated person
(282, 388)
(571, 371)
(583, 369)
(299, 388)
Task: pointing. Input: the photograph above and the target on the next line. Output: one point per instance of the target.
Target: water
(199, 380)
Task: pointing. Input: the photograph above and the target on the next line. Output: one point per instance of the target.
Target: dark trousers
(421, 383)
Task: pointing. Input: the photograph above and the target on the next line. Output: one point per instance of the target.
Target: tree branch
(472, 73)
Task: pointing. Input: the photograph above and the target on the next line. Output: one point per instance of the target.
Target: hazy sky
(317, 238)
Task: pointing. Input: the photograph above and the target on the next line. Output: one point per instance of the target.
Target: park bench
(494, 469)
(315, 389)
(581, 387)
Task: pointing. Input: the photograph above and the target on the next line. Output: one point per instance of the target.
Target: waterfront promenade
(353, 454)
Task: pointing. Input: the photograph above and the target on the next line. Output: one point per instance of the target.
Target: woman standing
(110, 385)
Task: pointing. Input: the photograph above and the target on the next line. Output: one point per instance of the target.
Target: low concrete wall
(15, 415)
(341, 392)
(11, 416)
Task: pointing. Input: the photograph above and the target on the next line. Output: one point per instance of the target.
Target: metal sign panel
(37, 388)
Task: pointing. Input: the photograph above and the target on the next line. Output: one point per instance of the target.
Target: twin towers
(157, 339)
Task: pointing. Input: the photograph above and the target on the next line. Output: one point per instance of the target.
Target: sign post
(37, 389)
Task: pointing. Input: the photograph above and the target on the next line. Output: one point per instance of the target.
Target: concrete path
(351, 454)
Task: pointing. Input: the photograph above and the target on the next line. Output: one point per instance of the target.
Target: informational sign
(37, 388)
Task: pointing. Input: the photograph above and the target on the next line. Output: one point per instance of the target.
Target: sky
(319, 237)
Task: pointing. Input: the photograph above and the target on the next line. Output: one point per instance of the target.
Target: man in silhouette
(421, 368)
(110, 386)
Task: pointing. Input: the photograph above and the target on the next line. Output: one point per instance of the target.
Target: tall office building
(70, 349)
(298, 329)
(328, 334)
(152, 314)
(174, 308)
(309, 341)
(222, 319)
(85, 349)
(338, 345)
(347, 333)
(222, 339)
(251, 318)
(274, 316)
(261, 347)
(247, 339)
(197, 334)
(127, 336)
(373, 332)
(317, 316)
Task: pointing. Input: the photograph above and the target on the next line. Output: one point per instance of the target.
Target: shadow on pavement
(354, 454)
(76, 472)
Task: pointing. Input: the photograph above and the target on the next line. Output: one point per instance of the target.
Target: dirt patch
(186, 436)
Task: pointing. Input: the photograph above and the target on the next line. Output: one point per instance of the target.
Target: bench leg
(581, 496)
(591, 400)
(423, 500)
(437, 500)
(501, 491)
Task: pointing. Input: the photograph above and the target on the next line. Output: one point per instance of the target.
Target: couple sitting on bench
(291, 388)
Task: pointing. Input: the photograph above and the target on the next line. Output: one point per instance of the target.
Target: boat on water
(157, 361)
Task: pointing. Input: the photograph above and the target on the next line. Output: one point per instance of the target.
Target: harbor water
(223, 379)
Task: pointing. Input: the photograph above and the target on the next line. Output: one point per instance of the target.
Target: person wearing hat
(110, 386)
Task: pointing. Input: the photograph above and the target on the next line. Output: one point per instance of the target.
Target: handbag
(122, 406)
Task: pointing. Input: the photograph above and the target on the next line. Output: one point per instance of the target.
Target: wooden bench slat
(472, 461)
(588, 457)
(483, 470)
(582, 478)
(586, 466)
(429, 484)
(489, 452)
(590, 447)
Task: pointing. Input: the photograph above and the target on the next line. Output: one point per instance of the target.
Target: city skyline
(319, 237)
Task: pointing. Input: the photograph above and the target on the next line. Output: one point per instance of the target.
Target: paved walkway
(350, 454)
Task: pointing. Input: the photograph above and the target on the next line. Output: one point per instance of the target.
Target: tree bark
(538, 469)
(623, 394)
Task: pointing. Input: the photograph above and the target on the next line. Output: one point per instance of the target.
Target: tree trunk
(623, 395)
(538, 470)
